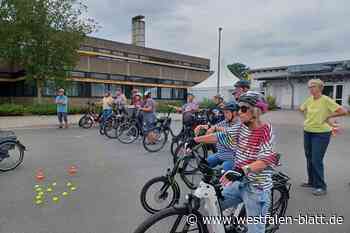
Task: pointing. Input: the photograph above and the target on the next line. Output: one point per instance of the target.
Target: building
(105, 65)
(288, 84)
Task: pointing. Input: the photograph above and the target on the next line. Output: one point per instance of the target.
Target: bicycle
(11, 151)
(112, 122)
(207, 196)
(169, 183)
(90, 117)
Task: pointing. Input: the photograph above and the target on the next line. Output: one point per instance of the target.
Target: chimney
(138, 30)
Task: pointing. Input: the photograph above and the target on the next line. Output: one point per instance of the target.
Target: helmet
(219, 96)
(147, 93)
(138, 94)
(231, 106)
(242, 83)
(254, 99)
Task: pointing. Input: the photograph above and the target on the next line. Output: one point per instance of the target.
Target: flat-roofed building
(288, 84)
(106, 65)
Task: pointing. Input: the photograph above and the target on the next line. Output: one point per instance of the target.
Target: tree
(42, 37)
(239, 70)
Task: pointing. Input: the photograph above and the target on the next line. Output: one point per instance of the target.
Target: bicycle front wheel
(110, 128)
(11, 155)
(158, 194)
(127, 133)
(174, 220)
(154, 140)
(86, 122)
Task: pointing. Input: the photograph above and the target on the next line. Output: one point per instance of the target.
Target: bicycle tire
(18, 161)
(126, 128)
(85, 122)
(161, 179)
(182, 212)
(148, 147)
(110, 128)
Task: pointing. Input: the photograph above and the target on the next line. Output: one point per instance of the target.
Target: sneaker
(319, 192)
(306, 185)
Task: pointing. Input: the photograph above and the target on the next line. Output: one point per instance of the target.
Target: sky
(258, 33)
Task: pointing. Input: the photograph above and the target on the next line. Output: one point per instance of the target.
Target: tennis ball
(55, 199)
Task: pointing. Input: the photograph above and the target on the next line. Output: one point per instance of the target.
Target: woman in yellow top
(318, 110)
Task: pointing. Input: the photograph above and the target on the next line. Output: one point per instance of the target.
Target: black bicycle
(90, 117)
(112, 122)
(11, 151)
(164, 191)
(207, 197)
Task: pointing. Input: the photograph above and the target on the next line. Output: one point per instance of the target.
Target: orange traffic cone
(40, 175)
(72, 170)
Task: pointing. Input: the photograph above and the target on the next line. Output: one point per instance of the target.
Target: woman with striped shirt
(254, 159)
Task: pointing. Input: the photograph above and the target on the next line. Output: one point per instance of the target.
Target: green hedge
(162, 106)
(36, 109)
(207, 103)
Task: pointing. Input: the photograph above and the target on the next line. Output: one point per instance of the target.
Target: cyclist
(254, 158)
(107, 103)
(149, 115)
(120, 100)
(137, 100)
(217, 114)
(224, 155)
(241, 87)
(188, 109)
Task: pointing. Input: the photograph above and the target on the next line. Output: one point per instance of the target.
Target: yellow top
(107, 102)
(316, 113)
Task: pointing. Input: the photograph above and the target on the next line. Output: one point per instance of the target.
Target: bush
(207, 103)
(36, 109)
(271, 100)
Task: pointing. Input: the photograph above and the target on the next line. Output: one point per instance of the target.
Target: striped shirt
(252, 145)
(225, 153)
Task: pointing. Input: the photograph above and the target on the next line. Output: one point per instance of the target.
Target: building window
(166, 93)
(77, 74)
(49, 88)
(113, 88)
(99, 76)
(86, 48)
(98, 89)
(178, 93)
(117, 77)
(73, 89)
(104, 51)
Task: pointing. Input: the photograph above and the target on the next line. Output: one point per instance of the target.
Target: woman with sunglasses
(253, 141)
(318, 110)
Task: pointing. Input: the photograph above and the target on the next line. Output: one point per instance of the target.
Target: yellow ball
(69, 184)
(37, 186)
(55, 199)
(38, 202)
(49, 189)
(54, 184)
(73, 188)
(39, 189)
(41, 193)
(64, 194)
(39, 197)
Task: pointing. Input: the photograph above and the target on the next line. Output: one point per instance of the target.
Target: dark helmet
(242, 83)
(254, 99)
(231, 106)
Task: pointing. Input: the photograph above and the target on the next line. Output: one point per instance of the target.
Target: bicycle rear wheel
(110, 128)
(127, 133)
(172, 220)
(86, 122)
(154, 140)
(11, 155)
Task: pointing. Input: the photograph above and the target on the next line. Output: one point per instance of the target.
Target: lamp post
(219, 63)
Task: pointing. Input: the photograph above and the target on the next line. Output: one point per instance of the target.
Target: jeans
(214, 160)
(105, 114)
(256, 202)
(62, 116)
(315, 146)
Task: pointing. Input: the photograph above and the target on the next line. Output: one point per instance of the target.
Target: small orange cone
(40, 175)
(72, 170)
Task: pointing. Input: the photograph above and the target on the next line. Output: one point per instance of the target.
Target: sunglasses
(244, 109)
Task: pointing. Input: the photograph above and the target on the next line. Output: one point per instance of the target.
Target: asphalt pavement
(110, 176)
